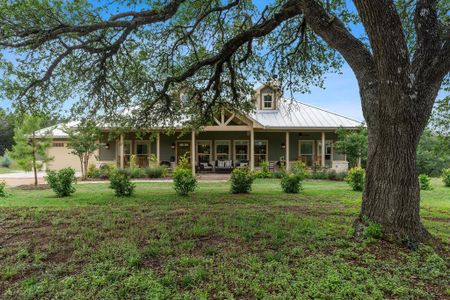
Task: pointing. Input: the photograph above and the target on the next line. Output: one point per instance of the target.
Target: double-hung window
(267, 101)
(223, 150)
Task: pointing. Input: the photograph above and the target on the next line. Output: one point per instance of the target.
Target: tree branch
(36, 36)
(333, 31)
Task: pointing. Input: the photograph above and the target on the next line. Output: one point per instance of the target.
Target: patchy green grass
(211, 244)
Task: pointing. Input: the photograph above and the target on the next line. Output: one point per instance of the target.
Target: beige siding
(62, 158)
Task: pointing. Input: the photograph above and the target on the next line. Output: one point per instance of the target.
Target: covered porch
(221, 151)
(232, 141)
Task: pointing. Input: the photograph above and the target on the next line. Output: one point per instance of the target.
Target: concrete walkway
(27, 178)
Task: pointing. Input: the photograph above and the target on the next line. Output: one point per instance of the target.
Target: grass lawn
(211, 244)
(7, 170)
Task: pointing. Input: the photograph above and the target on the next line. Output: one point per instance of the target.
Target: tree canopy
(140, 55)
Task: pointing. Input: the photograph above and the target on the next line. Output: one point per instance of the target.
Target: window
(58, 144)
(306, 151)
(260, 151)
(142, 153)
(142, 148)
(222, 150)
(204, 151)
(267, 101)
(328, 152)
(241, 151)
(126, 152)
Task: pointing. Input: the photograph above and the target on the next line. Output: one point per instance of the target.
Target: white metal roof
(290, 114)
(294, 114)
(57, 131)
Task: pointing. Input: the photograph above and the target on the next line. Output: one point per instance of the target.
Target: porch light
(172, 146)
(107, 146)
(283, 146)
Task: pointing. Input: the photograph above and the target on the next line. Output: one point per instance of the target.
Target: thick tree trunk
(392, 194)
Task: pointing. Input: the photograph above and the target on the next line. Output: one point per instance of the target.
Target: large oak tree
(139, 57)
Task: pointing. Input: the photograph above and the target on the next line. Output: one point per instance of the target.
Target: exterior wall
(259, 97)
(62, 158)
(275, 140)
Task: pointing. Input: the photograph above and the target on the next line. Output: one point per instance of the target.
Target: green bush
(183, 180)
(62, 181)
(121, 184)
(241, 181)
(331, 174)
(93, 172)
(340, 176)
(103, 172)
(355, 178)
(137, 172)
(373, 230)
(291, 183)
(156, 172)
(337, 176)
(264, 172)
(318, 174)
(446, 176)
(424, 182)
(299, 168)
(5, 161)
(2, 189)
(279, 174)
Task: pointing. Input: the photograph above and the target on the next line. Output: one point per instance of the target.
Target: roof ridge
(319, 108)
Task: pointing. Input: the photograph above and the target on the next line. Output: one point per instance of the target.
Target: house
(279, 130)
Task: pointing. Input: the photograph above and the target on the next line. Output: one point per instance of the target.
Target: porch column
(121, 152)
(252, 150)
(322, 162)
(287, 151)
(158, 148)
(193, 152)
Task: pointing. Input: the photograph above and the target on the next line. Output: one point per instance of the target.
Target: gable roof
(290, 114)
(297, 115)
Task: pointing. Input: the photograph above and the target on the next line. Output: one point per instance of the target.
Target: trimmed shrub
(61, 182)
(291, 183)
(446, 176)
(241, 181)
(121, 184)
(2, 189)
(156, 172)
(425, 182)
(355, 178)
(183, 181)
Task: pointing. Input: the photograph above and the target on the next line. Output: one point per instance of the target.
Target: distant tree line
(433, 151)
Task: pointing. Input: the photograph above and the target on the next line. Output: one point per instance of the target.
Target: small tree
(353, 143)
(30, 149)
(84, 141)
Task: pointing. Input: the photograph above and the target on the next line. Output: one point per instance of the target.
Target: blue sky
(340, 95)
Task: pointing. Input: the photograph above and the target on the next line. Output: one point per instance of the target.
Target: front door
(183, 149)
